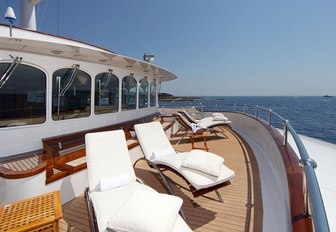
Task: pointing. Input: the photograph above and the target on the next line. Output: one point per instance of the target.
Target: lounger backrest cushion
(187, 115)
(184, 120)
(152, 138)
(107, 156)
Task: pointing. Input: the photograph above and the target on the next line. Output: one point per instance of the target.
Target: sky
(215, 47)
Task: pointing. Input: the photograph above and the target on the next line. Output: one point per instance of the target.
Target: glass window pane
(153, 93)
(129, 93)
(22, 96)
(71, 93)
(143, 93)
(106, 93)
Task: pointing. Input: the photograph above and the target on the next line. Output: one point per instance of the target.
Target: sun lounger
(188, 126)
(115, 199)
(204, 171)
(206, 121)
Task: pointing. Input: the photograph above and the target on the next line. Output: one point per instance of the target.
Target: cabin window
(22, 95)
(129, 93)
(71, 93)
(143, 93)
(106, 93)
(153, 93)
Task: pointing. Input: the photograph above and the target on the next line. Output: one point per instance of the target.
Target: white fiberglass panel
(274, 187)
(12, 190)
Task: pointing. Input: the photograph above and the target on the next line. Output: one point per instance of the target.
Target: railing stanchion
(269, 117)
(245, 109)
(257, 112)
(285, 133)
(305, 195)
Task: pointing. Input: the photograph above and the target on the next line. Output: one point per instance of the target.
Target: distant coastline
(170, 97)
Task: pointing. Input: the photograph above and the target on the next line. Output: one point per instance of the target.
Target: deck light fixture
(10, 16)
(148, 57)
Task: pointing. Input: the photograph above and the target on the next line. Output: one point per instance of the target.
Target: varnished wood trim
(10, 174)
(295, 182)
(49, 158)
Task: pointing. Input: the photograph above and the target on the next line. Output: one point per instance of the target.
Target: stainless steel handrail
(313, 201)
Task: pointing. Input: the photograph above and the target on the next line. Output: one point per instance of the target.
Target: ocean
(311, 116)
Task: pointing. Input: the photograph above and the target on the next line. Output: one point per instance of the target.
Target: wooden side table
(40, 213)
(202, 135)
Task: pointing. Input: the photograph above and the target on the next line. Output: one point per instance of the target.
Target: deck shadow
(190, 207)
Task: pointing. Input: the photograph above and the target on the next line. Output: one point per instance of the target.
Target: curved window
(153, 93)
(106, 93)
(71, 93)
(143, 93)
(22, 95)
(129, 93)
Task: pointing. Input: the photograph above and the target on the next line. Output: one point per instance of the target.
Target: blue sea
(311, 116)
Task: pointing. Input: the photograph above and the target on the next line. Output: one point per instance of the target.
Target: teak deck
(242, 208)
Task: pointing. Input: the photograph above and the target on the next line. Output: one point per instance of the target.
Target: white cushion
(206, 162)
(162, 153)
(108, 202)
(220, 118)
(146, 211)
(152, 137)
(107, 156)
(217, 114)
(114, 182)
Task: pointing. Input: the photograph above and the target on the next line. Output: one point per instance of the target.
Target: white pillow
(146, 211)
(206, 162)
(220, 118)
(162, 153)
(217, 114)
(114, 182)
(195, 127)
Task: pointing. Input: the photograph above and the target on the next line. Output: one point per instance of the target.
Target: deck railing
(313, 201)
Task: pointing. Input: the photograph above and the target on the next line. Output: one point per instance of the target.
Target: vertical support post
(257, 112)
(285, 135)
(245, 109)
(269, 117)
(305, 195)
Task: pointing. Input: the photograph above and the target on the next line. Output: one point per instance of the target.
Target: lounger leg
(219, 196)
(181, 138)
(166, 182)
(92, 216)
(182, 214)
(163, 177)
(214, 131)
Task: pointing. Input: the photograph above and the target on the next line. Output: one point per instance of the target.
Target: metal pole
(285, 133)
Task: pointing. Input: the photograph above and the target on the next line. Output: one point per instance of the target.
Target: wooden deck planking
(242, 207)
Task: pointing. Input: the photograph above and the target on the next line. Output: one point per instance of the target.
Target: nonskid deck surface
(242, 207)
